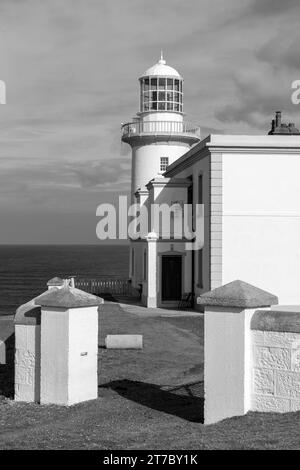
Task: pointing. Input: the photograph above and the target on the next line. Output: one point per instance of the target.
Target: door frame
(171, 303)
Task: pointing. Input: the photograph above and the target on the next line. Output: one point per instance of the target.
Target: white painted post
(69, 346)
(227, 348)
(27, 352)
(152, 270)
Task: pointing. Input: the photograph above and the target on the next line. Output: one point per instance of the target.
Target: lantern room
(161, 89)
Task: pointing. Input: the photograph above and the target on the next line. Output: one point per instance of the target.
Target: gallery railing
(160, 127)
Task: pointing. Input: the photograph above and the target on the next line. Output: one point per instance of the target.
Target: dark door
(171, 277)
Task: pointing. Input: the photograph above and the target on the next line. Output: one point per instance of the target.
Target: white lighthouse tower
(158, 135)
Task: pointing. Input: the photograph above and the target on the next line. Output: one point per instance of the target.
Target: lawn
(148, 399)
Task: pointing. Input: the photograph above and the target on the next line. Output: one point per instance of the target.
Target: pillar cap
(55, 281)
(152, 236)
(68, 297)
(238, 294)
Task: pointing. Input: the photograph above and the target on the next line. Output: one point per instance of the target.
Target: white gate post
(227, 347)
(152, 270)
(69, 345)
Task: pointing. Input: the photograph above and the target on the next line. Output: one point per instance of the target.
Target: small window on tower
(164, 162)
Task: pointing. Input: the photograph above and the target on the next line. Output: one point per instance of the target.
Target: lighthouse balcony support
(161, 129)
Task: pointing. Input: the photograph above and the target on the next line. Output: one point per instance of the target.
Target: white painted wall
(27, 363)
(200, 167)
(261, 222)
(161, 116)
(227, 365)
(54, 356)
(83, 354)
(69, 348)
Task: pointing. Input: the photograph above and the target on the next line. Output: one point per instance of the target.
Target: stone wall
(276, 363)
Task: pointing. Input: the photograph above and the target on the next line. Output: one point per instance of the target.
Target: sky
(71, 70)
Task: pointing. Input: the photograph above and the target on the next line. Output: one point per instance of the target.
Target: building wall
(261, 221)
(201, 167)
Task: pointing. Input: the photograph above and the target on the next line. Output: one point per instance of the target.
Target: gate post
(69, 345)
(151, 300)
(227, 347)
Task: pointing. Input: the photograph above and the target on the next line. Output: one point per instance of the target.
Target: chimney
(273, 125)
(278, 118)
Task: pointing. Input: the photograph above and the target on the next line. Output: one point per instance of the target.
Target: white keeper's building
(249, 185)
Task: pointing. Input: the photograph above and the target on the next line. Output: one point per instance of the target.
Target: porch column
(152, 270)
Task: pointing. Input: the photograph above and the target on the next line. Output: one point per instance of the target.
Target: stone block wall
(276, 370)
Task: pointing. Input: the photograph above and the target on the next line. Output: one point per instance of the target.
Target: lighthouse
(158, 135)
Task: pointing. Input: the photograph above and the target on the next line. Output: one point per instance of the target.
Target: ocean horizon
(25, 269)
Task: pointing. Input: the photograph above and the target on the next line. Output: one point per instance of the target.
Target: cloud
(71, 70)
(273, 7)
(279, 53)
(100, 174)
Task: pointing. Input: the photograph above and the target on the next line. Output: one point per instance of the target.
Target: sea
(25, 270)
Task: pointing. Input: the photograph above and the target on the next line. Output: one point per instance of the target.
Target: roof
(161, 69)
(238, 294)
(67, 297)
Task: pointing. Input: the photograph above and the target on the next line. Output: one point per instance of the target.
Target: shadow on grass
(7, 370)
(190, 408)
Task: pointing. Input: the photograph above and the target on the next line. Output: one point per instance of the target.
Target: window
(200, 189)
(132, 262)
(200, 268)
(164, 162)
(145, 265)
(161, 83)
(200, 252)
(161, 94)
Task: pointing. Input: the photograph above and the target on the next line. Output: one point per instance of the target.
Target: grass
(145, 400)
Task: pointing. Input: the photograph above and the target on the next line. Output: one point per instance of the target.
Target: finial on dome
(161, 60)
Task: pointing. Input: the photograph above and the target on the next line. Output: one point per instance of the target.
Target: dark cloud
(255, 103)
(272, 7)
(280, 52)
(99, 174)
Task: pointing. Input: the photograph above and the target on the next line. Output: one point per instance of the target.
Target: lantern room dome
(161, 69)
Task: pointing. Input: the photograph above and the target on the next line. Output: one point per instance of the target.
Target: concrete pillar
(27, 352)
(151, 300)
(69, 346)
(227, 347)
